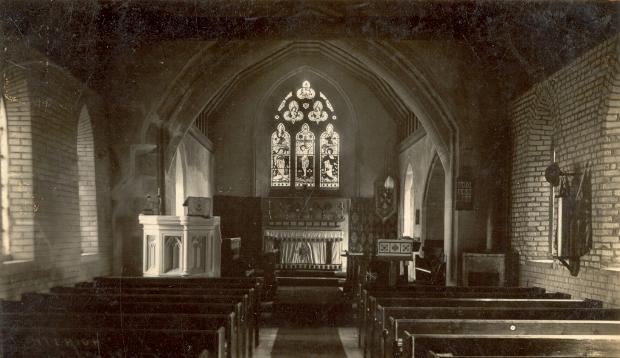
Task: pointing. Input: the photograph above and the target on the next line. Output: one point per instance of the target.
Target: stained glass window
(280, 157)
(330, 155)
(302, 109)
(304, 157)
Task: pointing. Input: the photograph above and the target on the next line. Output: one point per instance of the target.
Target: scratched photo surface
(326, 178)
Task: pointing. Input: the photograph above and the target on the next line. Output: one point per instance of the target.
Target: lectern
(181, 245)
(393, 251)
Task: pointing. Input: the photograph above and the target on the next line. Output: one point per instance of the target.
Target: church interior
(285, 178)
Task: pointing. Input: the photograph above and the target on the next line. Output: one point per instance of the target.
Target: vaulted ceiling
(522, 40)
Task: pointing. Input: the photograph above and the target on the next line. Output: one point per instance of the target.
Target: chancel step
(310, 273)
(310, 281)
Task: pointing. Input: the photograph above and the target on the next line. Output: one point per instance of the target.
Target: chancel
(309, 178)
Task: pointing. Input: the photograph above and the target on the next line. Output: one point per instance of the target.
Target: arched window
(304, 157)
(280, 157)
(89, 229)
(408, 203)
(297, 113)
(4, 181)
(330, 157)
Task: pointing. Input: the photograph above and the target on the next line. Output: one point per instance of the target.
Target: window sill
(612, 269)
(541, 261)
(89, 257)
(14, 266)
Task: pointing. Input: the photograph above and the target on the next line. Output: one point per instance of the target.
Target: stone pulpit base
(181, 246)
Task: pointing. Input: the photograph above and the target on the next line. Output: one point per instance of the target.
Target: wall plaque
(464, 194)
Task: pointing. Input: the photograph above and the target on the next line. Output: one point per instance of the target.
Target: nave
(287, 177)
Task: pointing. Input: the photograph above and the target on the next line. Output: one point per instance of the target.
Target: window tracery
(292, 112)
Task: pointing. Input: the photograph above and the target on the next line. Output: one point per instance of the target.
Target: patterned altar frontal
(306, 249)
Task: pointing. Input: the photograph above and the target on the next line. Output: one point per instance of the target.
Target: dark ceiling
(522, 40)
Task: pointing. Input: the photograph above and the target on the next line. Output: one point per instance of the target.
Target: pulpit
(181, 245)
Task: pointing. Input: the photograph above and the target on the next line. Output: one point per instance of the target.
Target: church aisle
(308, 321)
(308, 342)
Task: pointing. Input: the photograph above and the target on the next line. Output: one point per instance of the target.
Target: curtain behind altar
(307, 247)
(303, 252)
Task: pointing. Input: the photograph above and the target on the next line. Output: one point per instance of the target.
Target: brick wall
(574, 112)
(20, 179)
(43, 105)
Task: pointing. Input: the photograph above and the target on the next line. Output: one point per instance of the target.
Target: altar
(306, 233)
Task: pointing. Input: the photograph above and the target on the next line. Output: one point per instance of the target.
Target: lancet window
(311, 158)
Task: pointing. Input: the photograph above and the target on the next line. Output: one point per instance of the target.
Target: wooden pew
(190, 283)
(372, 316)
(129, 321)
(55, 302)
(449, 291)
(110, 281)
(253, 296)
(363, 292)
(383, 336)
(97, 342)
(453, 293)
(490, 337)
(243, 329)
(539, 347)
(369, 306)
(67, 304)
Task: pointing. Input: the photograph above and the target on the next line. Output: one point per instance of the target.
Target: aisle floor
(346, 335)
(308, 322)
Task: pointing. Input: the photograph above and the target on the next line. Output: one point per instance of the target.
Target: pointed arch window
(304, 157)
(330, 158)
(280, 157)
(311, 158)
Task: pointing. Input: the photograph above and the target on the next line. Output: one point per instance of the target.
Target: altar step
(311, 281)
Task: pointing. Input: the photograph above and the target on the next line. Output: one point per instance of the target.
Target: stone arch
(181, 105)
(391, 71)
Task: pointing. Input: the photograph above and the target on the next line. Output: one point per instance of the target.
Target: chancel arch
(208, 94)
